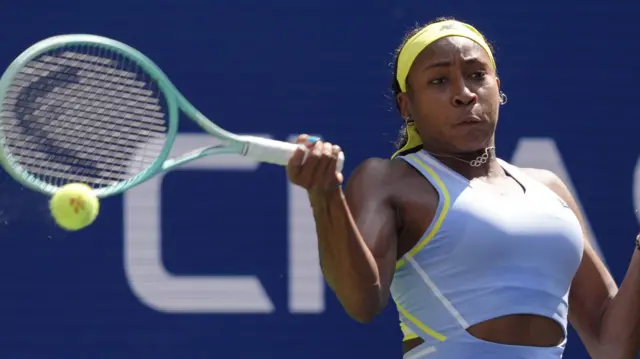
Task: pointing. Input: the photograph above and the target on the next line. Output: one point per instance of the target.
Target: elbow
(612, 348)
(614, 353)
(363, 303)
(362, 315)
(364, 310)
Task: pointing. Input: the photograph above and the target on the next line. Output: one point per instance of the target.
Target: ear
(498, 82)
(403, 104)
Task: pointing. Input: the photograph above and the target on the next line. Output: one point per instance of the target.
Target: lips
(469, 120)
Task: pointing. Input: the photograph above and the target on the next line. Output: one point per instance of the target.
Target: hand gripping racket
(88, 109)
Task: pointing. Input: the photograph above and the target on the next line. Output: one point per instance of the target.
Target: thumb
(294, 167)
(302, 139)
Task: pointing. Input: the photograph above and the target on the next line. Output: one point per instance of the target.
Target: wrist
(325, 195)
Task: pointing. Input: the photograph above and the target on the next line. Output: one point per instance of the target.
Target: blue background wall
(280, 68)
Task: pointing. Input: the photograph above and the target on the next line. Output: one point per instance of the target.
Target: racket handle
(275, 152)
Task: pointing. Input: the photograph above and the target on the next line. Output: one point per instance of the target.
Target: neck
(462, 163)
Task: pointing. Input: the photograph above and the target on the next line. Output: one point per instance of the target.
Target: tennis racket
(88, 109)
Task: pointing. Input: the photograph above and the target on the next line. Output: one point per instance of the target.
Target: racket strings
(91, 116)
(91, 96)
(83, 114)
(124, 86)
(86, 96)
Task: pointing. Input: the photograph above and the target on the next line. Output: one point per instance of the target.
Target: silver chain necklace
(482, 159)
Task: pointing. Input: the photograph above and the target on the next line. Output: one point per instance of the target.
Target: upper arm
(593, 286)
(369, 196)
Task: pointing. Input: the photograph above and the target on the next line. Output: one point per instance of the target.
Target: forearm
(348, 265)
(620, 326)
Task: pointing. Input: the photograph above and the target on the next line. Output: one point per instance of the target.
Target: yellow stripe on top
(418, 324)
(407, 333)
(438, 220)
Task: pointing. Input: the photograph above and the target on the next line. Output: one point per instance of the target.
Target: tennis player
(478, 255)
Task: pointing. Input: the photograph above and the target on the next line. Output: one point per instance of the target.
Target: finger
(335, 155)
(307, 141)
(294, 166)
(302, 139)
(311, 140)
(336, 151)
(310, 166)
(333, 177)
(324, 165)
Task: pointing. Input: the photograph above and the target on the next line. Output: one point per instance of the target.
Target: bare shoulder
(543, 176)
(376, 176)
(380, 171)
(549, 179)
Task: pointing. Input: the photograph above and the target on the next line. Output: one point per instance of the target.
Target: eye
(438, 81)
(479, 75)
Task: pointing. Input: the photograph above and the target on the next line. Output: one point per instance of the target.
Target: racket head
(85, 86)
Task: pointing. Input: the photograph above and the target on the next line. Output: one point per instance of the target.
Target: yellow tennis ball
(74, 206)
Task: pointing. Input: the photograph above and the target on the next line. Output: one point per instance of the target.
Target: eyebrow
(446, 63)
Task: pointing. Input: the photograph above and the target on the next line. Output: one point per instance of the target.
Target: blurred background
(218, 259)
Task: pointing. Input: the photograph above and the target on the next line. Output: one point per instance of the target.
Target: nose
(464, 97)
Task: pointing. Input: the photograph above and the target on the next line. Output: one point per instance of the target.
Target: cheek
(491, 110)
(490, 96)
(431, 109)
(490, 88)
(432, 102)
(435, 118)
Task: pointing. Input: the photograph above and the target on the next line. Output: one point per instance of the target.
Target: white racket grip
(275, 152)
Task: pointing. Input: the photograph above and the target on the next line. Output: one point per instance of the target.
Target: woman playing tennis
(478, 255)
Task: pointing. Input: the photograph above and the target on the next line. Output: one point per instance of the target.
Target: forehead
(452, 48)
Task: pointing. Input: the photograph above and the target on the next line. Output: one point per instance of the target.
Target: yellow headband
(430, 34)
(415, 45)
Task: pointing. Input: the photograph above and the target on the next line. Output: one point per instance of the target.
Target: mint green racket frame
(260, 149)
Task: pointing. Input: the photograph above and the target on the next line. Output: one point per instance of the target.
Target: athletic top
(485, 256)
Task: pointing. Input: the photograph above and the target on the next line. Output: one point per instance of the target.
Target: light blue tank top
(485, 256)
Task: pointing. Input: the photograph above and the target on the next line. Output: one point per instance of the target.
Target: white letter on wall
(147, 276)
(306, 284)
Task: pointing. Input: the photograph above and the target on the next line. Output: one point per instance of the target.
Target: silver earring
(503, 98)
